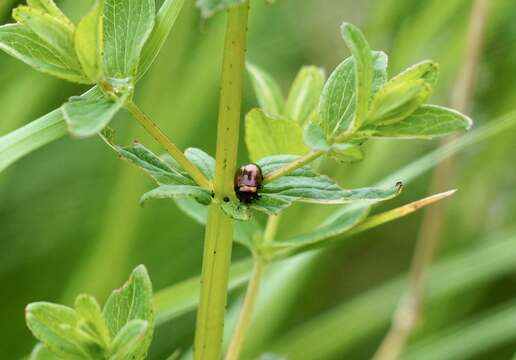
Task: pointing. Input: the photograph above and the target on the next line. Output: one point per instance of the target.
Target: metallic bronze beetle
(248, 183)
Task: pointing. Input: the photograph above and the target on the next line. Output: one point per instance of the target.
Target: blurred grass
(69, 214)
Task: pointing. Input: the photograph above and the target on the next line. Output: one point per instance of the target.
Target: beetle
(248, 183)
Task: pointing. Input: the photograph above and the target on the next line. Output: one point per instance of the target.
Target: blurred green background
(70, 221)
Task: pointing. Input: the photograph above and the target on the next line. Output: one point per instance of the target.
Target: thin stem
(219, 228)
(153, 129)
(305, 159)
(410, 307)
(246, 313)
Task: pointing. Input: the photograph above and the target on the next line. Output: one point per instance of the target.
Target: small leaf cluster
(122, 330)
(110, 47)
(357, 102)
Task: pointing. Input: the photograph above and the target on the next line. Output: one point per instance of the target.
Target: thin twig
(153, 129)
(409, 310)
(296, 164)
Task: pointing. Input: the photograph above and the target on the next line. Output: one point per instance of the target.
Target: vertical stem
(219, 229)
(410, 307)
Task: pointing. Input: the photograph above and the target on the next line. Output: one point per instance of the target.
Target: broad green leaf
(130, 340)
(173, 181)
(266, 136)
(395, 103)
(237, 211)
(202, 160)
(202, 196)
(469, 338)
(210, 7)
(164, 172)
(303, 98)
(30, 137)
(363, 66)
(315, 138)
(50, 8)
(338, 103)
(88, 115)
(89, 42)
(427, 122)
(91, 320)
(305, 185)
(57, 327)
(132, 302)
(269, 95)
(338, 224)
(22, 43)
(403, 94)
(165, 20)
(127, 26)
(52, 33)
(346, 153)
(42, 353)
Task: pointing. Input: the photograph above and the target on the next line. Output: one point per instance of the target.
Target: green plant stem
(246, 313)
(302, 161)
(219, 228)
(153, 129)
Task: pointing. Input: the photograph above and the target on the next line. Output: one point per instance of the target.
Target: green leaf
(87, 115)
(210, 7)
(236, 211)
(50, 8)
(130, 340)
(305, 185)
(202, 196)
(338, 104)
(57, 327)
(52, 31)
(30, 137)
(89, 42)
(91, 319)
(427, 122)
(165, 20)
(127, 26)
(363, 66)
(22, 43)
(267, 136)
(269, 95)
(41, 353)
(315, 138)
(335, 226)
(403, 94)
(202, 161)
(132, 302)
(346, 153)
(304, 95)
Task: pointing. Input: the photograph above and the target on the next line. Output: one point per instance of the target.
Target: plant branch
(410, 307)
(219, 228)
(287, 169)
(246, 313)
(153, 129)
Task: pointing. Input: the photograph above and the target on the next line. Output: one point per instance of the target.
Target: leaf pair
(358, 103)
(122, 330)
